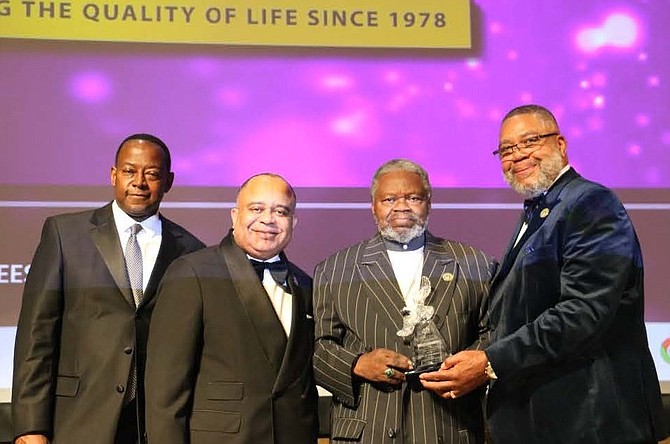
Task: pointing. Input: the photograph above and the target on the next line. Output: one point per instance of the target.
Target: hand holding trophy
(429, 348)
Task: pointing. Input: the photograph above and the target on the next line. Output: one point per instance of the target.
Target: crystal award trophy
(429, 348)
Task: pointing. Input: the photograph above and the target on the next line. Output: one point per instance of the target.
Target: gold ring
(389, 373)
(452, 394)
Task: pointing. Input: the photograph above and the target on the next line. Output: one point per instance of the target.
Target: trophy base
(412, 376)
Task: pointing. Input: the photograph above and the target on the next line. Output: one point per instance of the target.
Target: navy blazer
(569, 344)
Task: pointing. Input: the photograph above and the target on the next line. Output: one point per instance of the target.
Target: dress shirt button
(391, 433)
(128, 350)
(120, 388)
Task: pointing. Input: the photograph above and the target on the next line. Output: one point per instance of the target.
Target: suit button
(120, 388)
(391, 433)
(128, 350)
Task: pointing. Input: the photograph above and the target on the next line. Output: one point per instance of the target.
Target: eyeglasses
(526, 146)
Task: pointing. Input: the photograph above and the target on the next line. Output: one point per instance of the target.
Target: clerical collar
(414, 244)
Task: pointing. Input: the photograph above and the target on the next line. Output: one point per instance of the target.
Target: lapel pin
(448, 277)
(544, 213)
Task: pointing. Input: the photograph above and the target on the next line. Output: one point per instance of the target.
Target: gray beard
(403, 236)
(549, 170)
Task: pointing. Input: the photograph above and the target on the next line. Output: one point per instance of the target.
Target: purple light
(599, 102)
(495, 27)
(526, 97)
(618, 30)
(230, 97)
(91, 87)
(642, 120)
(654, 81)
(336, 82)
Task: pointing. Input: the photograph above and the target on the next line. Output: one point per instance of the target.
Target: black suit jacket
(220, 366)
(569, 345)
(79, 334)
(358, 307)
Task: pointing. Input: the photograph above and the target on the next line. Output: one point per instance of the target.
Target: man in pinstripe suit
(360, 294)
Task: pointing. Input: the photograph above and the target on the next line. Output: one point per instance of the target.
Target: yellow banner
(341, 23)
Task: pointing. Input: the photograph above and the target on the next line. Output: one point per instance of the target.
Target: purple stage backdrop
(326, 118)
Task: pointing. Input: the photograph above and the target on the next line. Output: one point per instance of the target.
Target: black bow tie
(530, 206)
(278, 270)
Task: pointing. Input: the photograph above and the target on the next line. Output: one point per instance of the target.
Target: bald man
(230, 348)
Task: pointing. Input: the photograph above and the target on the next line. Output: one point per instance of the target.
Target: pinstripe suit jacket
(358, 308)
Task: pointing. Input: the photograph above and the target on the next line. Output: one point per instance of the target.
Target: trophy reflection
(428, 346)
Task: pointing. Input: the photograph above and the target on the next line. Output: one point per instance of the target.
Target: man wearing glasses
(568, 360)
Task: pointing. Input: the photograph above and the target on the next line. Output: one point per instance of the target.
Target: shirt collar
(123, 222)
(413, 245)
(272, 259)
(562, 172)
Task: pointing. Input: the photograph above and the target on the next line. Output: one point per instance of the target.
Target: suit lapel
(106, 239)
(253, 297)
(170, 249)
(507, 261)
(442, 269)
(512, 254)
(298, 346)
(381, 284)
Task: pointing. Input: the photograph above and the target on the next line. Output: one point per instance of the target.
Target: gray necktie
(134, 264)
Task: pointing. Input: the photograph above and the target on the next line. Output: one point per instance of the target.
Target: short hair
(401, 165)
(540, 111)
(273, 175)
(149, 138)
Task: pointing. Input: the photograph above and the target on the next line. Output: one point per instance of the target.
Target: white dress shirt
(149, 238)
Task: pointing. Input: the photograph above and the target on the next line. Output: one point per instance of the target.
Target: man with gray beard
(568, 360)
(367, 295)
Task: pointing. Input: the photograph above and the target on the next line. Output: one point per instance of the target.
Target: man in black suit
(81, 338)
(569, 360)
(231, 340)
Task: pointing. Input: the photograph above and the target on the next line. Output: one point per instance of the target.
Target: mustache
(411, 216)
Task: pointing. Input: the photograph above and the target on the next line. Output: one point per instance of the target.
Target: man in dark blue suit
(569, 360)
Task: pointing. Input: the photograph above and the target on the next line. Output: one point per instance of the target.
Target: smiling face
(400, 206)
(264, 218)
(140, 178)
(532, 173)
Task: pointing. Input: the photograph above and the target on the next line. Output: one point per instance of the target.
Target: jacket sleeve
(486, 269)
(36, 349)
(173, 353)
(332, 361)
